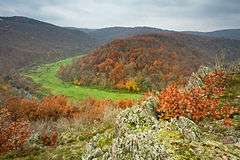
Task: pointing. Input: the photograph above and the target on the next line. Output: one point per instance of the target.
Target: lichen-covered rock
(196, 79)
(137, 119)
(99, 146)
(138, 134)
(144, 145)
(187, 127)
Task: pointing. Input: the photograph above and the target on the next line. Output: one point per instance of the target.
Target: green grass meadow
(45, 75)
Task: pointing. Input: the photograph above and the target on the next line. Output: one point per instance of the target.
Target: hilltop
(104, 35)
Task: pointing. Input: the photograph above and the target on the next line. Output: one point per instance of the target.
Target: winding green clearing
(45, 75)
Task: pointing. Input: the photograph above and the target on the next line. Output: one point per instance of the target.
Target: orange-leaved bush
(197, 103)
(123, 104)
(49, 108)
(13, 134)
(94, 109)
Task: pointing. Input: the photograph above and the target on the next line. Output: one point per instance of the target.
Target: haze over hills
(26, 41)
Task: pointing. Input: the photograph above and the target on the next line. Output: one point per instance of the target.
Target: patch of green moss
(167, 135)
(184, 152)
(105, 139)
(104, 142)
(73, 151)
(71, 137)
(69, 152)
(68, 137)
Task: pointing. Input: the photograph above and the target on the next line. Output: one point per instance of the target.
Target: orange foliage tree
(198, 103)
(117, 73)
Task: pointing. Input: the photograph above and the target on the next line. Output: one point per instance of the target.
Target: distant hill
(104, 35)
(208, 46)
(26, 41)
(228, 33)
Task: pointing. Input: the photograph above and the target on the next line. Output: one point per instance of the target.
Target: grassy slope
(46, 76)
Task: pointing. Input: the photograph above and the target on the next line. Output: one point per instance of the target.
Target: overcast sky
(201, 15)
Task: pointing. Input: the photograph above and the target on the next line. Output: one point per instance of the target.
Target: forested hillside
(26, 41)
(137, 63)
(146, 61)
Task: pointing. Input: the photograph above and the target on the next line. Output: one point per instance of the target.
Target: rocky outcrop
(138, 134)
(196, 79)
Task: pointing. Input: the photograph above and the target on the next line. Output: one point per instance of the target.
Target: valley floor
(45, 75)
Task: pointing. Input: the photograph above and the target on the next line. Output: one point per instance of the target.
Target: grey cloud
(168, 14)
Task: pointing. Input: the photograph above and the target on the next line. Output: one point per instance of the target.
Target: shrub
(123, 104)
(13, 134)
(49, 138)
(93, 109)
(56, 107)
(197, 103)
(130, 85)
(31, 109)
